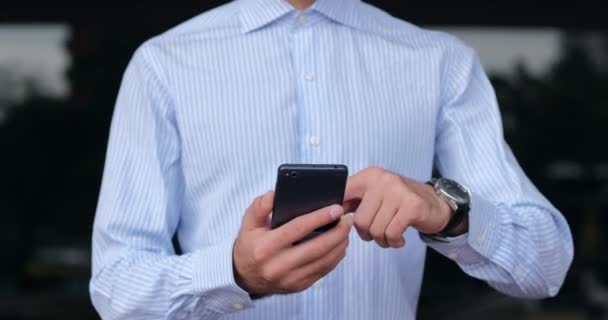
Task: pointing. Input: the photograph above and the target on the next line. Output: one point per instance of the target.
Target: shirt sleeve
(136, 273)
(517, 241)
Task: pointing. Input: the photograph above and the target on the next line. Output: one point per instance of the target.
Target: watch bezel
(442, 186)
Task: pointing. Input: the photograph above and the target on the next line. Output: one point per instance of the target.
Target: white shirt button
(318, 284)
(302, 19)
(314, 140)
(309, 76)
(453, 256)
(237, 306)
(479, 240)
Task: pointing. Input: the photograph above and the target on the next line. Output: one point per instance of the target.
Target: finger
(303, 277)
(355, 187)
(256, 216)
(300, 227)
(366, 212)
(351, 205)
(381, 221)
(357, 184)
(397, 227)
(316, 248)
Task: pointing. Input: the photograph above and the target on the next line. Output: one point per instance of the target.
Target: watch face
(454, 190)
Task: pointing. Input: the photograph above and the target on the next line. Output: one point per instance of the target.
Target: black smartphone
(304, 188)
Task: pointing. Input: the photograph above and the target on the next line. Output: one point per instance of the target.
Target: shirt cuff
(213, 280)
(479, 243)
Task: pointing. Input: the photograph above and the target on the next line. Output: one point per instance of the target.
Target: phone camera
(293, 174)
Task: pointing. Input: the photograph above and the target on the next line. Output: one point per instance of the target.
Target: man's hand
(387, 204)
(266, 261)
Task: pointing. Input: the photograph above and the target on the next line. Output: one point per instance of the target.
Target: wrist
(439, 216)
(238, 274)
(455, 204)
(446, 212)
(239, 277)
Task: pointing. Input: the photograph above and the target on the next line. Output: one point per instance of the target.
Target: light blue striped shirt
(207, 112)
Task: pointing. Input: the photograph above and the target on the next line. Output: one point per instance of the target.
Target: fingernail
(336, 211)
(349, 219)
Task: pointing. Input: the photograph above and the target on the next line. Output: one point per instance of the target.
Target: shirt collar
(259, 13)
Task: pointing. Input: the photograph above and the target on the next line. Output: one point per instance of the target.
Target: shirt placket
(305, 54)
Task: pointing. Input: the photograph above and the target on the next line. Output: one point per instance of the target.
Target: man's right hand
(266, 261)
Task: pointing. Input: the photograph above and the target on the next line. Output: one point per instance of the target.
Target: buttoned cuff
(213, 280)
(479, 243)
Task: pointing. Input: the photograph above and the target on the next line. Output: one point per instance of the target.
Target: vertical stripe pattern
(207, 112)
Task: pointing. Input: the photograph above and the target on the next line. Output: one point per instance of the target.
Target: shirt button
(314, 140)
(302, 19)
(318, 284)
(237, 306)
(453, 256)
(519, 272)
(309, 76)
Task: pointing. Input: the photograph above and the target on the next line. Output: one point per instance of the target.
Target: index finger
(304, 225)
(356, 185)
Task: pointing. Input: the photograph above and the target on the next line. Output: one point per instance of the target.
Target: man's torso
(303, 90)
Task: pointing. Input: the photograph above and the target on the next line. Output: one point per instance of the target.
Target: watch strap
(455, 221)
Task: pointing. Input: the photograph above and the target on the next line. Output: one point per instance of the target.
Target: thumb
(257, 214)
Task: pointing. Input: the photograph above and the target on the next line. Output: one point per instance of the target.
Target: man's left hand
(387, 204)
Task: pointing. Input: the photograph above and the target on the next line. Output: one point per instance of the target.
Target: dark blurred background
(61, 66)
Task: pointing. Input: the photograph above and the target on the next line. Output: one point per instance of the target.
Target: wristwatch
(457, 197)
